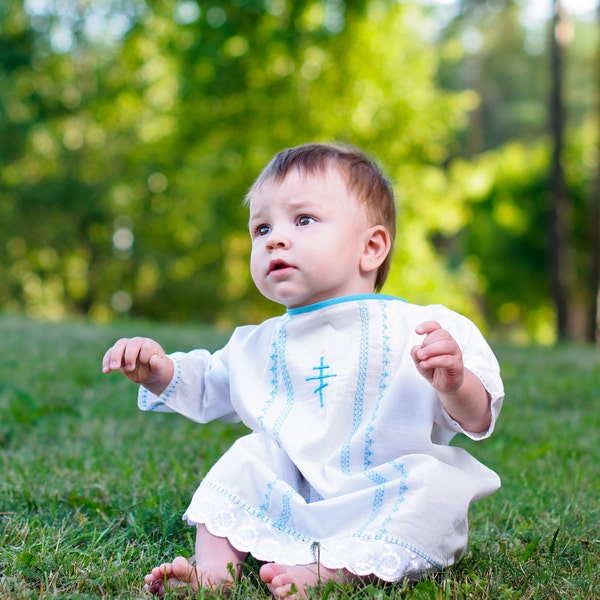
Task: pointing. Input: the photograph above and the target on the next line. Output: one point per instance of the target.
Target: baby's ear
(377, 247)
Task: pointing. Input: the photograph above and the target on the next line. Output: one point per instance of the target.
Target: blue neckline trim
(332, 301)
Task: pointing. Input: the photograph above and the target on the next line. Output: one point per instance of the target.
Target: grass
(92, 490)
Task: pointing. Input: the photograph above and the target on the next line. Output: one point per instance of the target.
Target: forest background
(130, 131)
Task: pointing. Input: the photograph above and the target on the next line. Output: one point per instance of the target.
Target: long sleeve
(480, 360)
(199, 389)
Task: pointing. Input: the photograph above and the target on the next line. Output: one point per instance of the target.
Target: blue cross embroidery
(321, 379)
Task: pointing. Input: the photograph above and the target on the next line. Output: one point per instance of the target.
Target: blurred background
(130, 131)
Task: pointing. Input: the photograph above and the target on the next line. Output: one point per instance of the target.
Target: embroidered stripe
(274, 385)
(401, 490)
(264, 507)
(383, 377)
(363, 359)
(377, 506)
(287, 382)
(286, 511)
(253, 511)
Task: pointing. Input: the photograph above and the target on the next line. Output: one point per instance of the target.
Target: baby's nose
(277, 241)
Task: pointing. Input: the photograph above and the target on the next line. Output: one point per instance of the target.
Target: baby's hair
(362, 176)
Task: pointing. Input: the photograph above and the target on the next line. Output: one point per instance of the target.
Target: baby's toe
(161, 571)
(181, 568)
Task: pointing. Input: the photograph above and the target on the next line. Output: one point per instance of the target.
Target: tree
(513, 74)
(125, 186)
(593, 328)
(559, 232)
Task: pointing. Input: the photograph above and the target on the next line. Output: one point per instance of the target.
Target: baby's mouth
(278, 265)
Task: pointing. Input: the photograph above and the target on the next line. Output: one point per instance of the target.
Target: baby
(352, 398)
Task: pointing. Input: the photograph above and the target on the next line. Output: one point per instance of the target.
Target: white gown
(348, 462)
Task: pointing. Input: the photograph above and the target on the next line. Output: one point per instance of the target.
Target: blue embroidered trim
(378, 479)
(236, 500)
(286, 511)
(143, 403)
(164, 397)
(377, 504)
(402, 489)
(340, 300)
(385, 361)
(259, 514)
(274, 385)
(360, 386)
(264, 507)
(402, 543)
(287, 381)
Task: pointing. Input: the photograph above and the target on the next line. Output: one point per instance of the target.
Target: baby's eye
(262, 230)
(305, 220)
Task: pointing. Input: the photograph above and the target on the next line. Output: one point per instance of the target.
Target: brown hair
(362, 176)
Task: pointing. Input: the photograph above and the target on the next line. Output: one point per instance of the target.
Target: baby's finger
(113, 358)
(414, 353)
(150, 354)
(131, 354)
(106, 361)
(427, 327)
(158, 363)
(439, 361)
(439, 347)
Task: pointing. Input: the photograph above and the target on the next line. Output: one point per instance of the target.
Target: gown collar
(332, 301)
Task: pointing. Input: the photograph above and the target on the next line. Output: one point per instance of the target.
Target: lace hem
(387, 560)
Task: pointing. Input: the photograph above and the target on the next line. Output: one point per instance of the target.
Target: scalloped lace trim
(386, 560)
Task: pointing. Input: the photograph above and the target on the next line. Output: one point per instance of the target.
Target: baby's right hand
(142, 360)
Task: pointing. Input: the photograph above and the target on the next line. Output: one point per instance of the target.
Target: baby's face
(308, 237)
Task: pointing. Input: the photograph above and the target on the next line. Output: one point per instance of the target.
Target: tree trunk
(559, 211)
(594, 317)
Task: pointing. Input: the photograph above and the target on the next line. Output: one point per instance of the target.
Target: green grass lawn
(92, 490)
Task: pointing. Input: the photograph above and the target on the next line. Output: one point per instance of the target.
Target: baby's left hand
(439, 358)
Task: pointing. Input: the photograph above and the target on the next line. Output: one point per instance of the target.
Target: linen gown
(348, 462)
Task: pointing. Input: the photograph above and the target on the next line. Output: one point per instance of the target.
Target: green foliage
(92, 490)
(130, 132)
(506, 241)
(132, 157)
(490, 52)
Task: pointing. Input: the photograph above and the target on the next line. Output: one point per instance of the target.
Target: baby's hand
(142, 360)
(438, 358)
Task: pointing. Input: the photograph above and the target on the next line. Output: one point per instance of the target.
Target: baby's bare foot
(179, 574)
(291, 581)
(185, 577)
